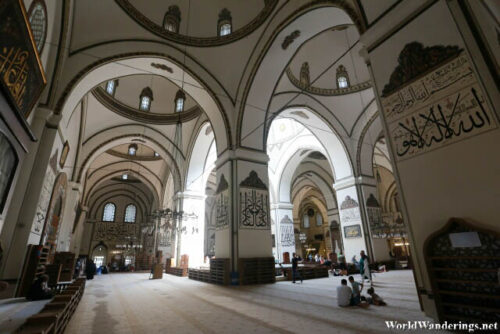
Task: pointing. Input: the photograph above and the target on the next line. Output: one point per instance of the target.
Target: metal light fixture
(180, 98)
(302, 237)
(132, 149)
(125, 176)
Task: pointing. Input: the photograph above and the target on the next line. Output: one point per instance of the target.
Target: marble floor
(130, 303)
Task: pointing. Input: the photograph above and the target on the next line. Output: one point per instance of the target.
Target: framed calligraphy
(22, 78)
(254, 203)
(352, 231)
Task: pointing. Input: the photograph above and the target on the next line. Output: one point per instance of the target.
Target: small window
(306, 220)
(342, 81)
(38, 22)
(145, 99)
(225, 29)
(132, 149)
(319, 219)
(180, 97)
(111, 87)
(145, 103)
(172, 19)
(224, 24)
(130, 212)
(342, 77)
(108, 214)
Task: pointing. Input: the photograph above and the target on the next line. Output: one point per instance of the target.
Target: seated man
(344, 294)
(356, 293)
(374, 298)
(39, 289)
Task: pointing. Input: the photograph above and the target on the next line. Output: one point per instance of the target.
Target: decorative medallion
(349, 203)
(289, 39)
(372, 202)
(158, 30)
(162, 67)
(222, 205)
(254, 203)
(414, 60)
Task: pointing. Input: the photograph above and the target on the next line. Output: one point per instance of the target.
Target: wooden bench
(54, 317)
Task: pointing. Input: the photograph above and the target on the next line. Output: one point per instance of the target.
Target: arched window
(342, 77)
(130, 212)
(319, 219)
(224, 24)
(38, 21)
(111, 87)
(172, 19)
(145, 99)
(180, 98)
(108, 214)
(306, 220)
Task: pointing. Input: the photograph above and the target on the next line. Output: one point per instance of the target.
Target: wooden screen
(463, 263)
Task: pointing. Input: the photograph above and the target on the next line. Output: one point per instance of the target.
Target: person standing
(90, 269)
(295, 264)
(364, 266)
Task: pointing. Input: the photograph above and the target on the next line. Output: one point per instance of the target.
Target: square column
(352, 222)
(243, 222)
(282, 229)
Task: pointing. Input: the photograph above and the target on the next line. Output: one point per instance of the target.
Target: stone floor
(130, 303)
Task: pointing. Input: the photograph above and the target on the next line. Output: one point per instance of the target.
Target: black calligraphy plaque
(441, 107)
(21, 74)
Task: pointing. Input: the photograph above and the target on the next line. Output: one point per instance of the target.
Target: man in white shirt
(344, 294)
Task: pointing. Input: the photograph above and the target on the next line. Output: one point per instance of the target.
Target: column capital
(285, 206)
(242, 154)
(189, 194)
(352, 181)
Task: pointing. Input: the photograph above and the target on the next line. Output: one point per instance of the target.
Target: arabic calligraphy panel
(443, 107)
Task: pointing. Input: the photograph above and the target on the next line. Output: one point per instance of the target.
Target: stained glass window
(109, 213)
(130, 212)
(38, 23)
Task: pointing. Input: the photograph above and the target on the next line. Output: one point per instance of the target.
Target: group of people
(351, 296)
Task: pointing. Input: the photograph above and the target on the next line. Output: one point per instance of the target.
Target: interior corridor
(130, 303)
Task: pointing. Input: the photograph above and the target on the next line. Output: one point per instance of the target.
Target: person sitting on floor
(39, 289)
(374, 298)
(344, 294)
(356, 293)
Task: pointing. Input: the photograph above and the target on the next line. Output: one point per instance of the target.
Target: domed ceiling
(198, 25)
(126, 99)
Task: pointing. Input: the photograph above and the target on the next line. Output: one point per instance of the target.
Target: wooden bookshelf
(259, 270)
(464, 279)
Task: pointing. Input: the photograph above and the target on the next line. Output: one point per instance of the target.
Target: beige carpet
(130, 303)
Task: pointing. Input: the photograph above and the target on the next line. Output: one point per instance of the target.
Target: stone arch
(266, 73)
(121, 64)
(200, 159)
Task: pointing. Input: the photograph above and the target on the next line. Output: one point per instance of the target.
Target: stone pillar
(435, 83)
(192, 229)
(17, 230)
(68, 218)
(352, 222)
(284, 237)
(373, 216)
(243, 214)
(77, 237)
(335, 239)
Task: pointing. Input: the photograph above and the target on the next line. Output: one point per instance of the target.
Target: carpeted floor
(130, 303)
